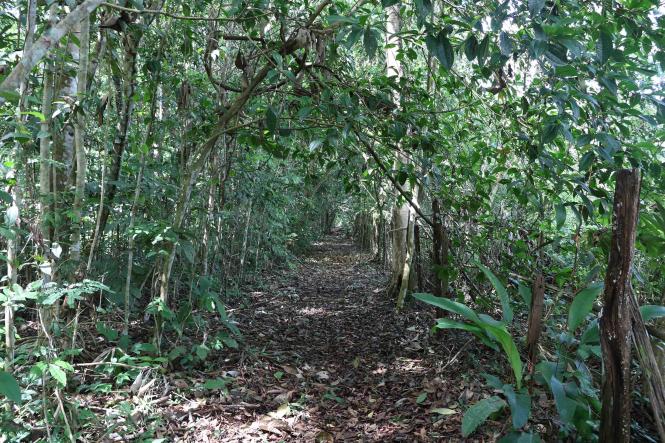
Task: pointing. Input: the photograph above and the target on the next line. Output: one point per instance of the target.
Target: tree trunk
(126, 101)
(79, 128)
(535, 317)
(417, 258)
(16, 193)
(438, 241)
(403, 214)
(615, 320)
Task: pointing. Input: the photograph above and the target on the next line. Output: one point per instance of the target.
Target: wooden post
(615, 320)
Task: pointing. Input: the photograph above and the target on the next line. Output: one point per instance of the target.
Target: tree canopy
(164, 161)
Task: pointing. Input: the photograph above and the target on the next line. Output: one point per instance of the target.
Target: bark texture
(615, 320)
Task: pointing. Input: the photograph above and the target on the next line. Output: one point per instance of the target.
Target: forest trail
(326, 358)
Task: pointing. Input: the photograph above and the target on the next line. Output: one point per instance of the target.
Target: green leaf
(483, 49)
(421, 398)
(449, 305)
(501, 291)
(389, 3)
(520, 406)
(439, 46)
(582, 305)
(564, 404)
(271, 119)
(216, 383)
(370, 43)
(57, 373)
(509, 348)
(604, 46)
(535, 6)
(560, 214)
(649, 312)
(525, 293)
(478, 413)
(471, 47)
(9, 387)
(64, 365)
(505, 44)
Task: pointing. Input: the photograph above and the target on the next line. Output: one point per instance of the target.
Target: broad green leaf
(271, 119)
(535, 6)
(604, 46)
(649, 312)
(501, 291)
(9, 387)
(370, 42)
(64, 365)
(478, 413)
(564, 404)
(483, 49)
(421, 398)
(520, 406)
(471, 47)
(448, 305)
(560, 213)
(216, 383)
(58, 373)
(582, 305)
(478, 331)
(440, 47)
(509, 347)
(525, 293)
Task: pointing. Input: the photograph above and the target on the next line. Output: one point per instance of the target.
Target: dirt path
(326, 358)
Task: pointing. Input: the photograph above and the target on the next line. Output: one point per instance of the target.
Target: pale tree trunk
(403, 215)
(46, 43)
(243, 252)
(64, 140)
(79, 129)
(15, 209)
(209, 219)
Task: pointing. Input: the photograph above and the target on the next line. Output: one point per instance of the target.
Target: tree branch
(45, 43)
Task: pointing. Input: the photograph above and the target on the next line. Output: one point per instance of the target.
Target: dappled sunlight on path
(327, 358)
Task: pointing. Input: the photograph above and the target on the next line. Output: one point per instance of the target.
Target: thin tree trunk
(244, 239)
(208, 225)
(79, 129)
(417, 258)
(535, 317)
(126, 93)
(130, 243)
(44, 158)
(437, 248)
(95, 236)
(615, 320)
(15, 209)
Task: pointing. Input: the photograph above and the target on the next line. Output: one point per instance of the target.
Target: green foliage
(501, 291)
(489, 331)
(9, 387)
(479, 412)
(582, 305)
